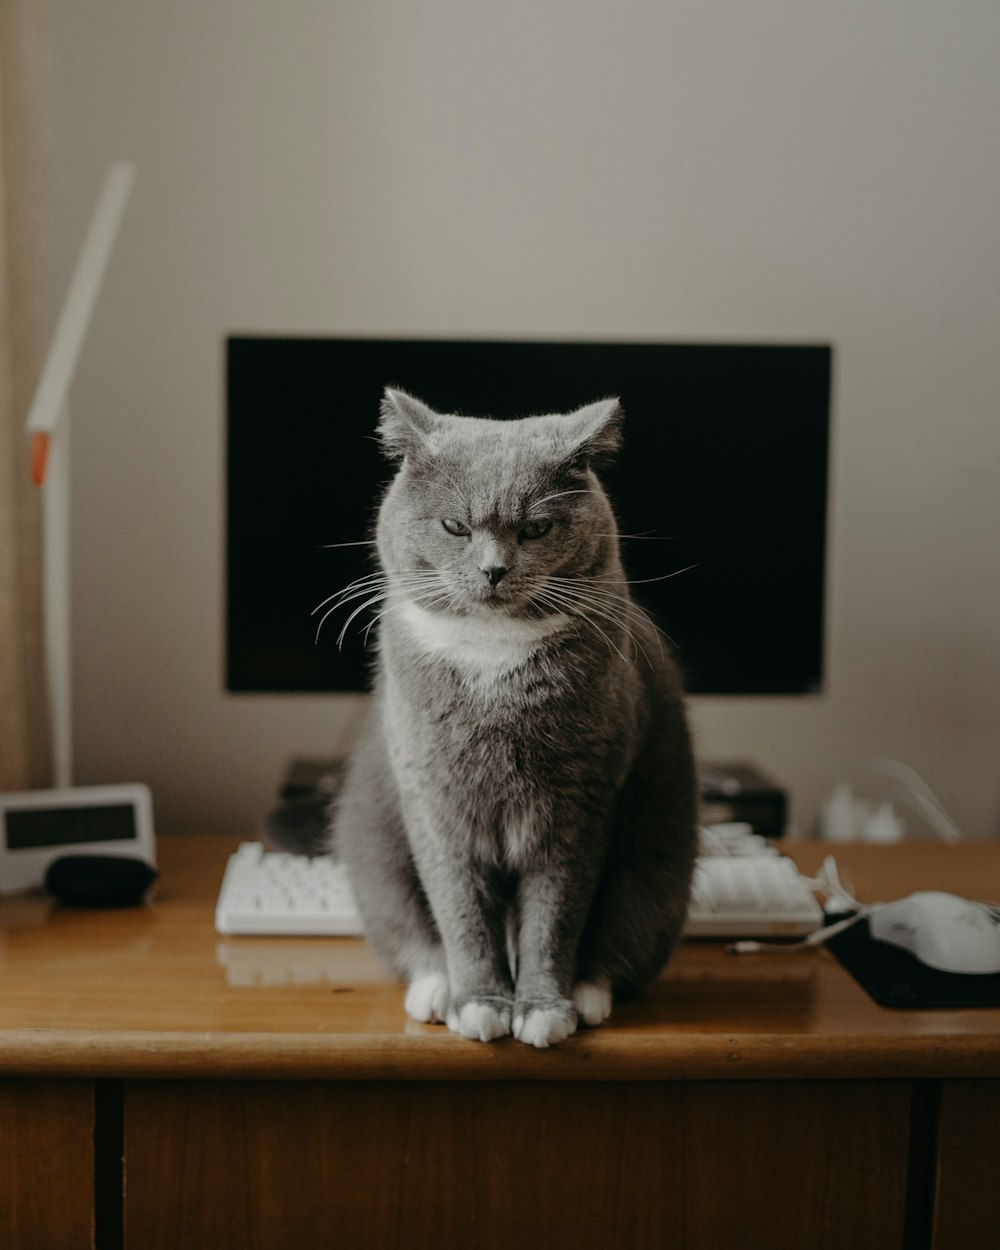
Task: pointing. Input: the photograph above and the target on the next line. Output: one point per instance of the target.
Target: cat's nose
(495, 572)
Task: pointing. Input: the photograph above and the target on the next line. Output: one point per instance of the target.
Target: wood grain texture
(154, 991)
(967, 1206)
(46, 1165)
(761, 1164)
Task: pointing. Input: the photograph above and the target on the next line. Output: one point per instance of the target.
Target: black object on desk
(301, 821)
(99, 880)
(895, 978)
(740, 790)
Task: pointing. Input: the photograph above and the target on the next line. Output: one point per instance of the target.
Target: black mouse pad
(895, 978)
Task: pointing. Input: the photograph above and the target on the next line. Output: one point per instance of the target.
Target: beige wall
(684, 170)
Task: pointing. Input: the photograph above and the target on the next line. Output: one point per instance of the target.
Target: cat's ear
(594, 433)
(406, 425)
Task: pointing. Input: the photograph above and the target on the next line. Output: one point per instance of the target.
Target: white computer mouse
(944, 931)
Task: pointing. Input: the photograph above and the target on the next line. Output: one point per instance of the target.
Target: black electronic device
(722, 474)
(301, 820)
(738, 790)
(99, 880)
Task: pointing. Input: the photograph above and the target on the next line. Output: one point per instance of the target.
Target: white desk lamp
(48, 424)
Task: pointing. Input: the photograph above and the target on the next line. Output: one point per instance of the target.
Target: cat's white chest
(483, 648)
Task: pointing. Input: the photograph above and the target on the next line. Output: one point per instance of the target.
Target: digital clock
(39, 826)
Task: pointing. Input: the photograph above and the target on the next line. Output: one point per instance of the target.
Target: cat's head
(488, 515)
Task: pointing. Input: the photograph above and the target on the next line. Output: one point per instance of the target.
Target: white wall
(686, 170)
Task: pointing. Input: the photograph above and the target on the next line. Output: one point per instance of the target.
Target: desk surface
(154, 991)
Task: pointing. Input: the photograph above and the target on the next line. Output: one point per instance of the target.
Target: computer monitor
(722, 474)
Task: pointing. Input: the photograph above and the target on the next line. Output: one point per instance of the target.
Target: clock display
(31, 828)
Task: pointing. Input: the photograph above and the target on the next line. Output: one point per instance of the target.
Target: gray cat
(518, 823)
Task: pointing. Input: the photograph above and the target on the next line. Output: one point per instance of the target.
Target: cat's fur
(518, 823)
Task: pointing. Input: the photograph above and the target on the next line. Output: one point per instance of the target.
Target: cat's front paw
(544, 1022)
(482, 1019)
(427, 998)
(592, 999)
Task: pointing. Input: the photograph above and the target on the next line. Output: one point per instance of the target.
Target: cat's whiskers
(373, 588)
(561, 601)
(648, 537)
(363, 582)
(445, 597)
(340, 600)
(643, 581)
(347, 595)
(382, 594)
(362, 585)
(638, 615)
(597, 589)
(323, 618)
(587, 589)
(357, 611)
(612, 612)
(587, 618)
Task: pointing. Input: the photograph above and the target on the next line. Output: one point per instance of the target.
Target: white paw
(427, 998)
(592, 999)
(480, 1021)
(545, 1026)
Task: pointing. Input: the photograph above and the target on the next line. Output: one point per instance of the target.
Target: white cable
(837, 897)
(816, 938)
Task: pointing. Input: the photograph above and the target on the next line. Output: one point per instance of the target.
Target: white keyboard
(750, 896)
(747, 891)
(277, 893)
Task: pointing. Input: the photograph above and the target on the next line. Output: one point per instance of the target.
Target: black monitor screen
(722, 474)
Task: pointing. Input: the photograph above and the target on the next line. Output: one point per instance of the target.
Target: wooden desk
(271, 1092)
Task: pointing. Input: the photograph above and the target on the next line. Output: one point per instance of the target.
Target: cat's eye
(455, 527)
(536, 529)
